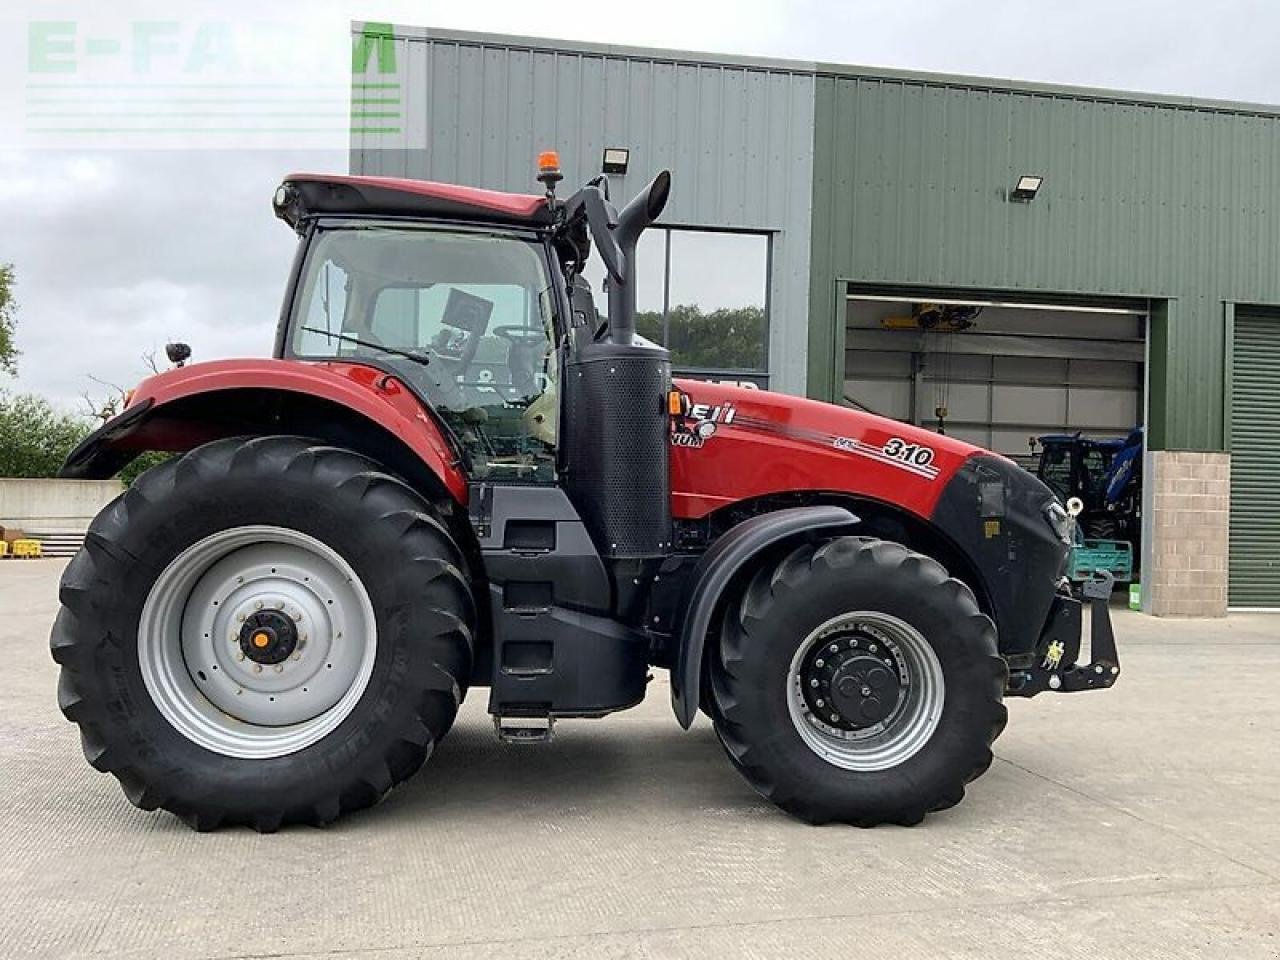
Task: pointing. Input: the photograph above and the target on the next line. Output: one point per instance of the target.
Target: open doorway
(1058, 387)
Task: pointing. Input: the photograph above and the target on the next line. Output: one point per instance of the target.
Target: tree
(8, 348)
(730, 338)
(34, 437)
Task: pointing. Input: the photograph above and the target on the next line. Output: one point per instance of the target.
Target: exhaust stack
(615, 433)
(640, 213)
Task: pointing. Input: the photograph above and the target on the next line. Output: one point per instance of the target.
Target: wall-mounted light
(615, 160)
(1026, 188)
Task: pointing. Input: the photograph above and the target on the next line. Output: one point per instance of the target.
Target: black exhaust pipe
(640, 213)
(615, 430)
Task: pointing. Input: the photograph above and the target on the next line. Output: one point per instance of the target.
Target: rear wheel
(263, 632)
(855, 681)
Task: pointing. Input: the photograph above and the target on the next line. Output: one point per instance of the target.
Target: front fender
(715, 571)
(183, 408)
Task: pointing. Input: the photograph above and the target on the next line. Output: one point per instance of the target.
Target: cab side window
(476, 313)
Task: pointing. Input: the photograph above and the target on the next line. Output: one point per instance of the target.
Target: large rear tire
(263, 632)
(856, 682)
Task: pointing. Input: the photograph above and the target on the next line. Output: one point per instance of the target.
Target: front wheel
(855, 681)
(263, 632)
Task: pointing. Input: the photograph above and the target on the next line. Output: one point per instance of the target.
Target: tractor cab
(466, 317)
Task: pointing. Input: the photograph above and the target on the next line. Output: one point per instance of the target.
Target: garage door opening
(1057, 387)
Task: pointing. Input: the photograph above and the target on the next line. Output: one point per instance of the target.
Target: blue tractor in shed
(1106, 476)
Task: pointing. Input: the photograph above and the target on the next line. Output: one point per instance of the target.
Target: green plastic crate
(1114, 556)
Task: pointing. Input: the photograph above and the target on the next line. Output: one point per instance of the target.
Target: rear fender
(350, 404)
(730, 555)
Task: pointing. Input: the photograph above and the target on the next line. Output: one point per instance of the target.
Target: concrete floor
(1140, 822)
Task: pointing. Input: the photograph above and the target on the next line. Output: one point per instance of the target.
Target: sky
(118, 250)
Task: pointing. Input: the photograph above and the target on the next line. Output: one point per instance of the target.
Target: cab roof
(304, 195)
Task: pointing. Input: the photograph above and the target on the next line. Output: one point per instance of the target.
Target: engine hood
(737, 443)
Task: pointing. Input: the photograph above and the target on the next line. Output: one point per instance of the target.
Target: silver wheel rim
(914, 719)
(201, 673)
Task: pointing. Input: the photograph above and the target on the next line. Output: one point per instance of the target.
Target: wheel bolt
(297, 656)
(297, 615)
(866, 691)
(835, 648)
(872, 648)
(240, 617)
(258, 605)
(239, 656)
(820, 702)
(819, 663)
(835, 718)
(813, 683)
(279, 667)
(257, 668)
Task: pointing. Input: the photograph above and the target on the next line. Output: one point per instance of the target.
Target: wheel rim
(257, 641)
(865, 691)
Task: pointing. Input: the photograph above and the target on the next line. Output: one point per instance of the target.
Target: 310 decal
(913, 457)
(913, 453)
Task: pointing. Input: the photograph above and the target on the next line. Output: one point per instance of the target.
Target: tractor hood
(737, 443)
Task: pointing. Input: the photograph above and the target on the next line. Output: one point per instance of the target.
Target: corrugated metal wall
(1173, 202)
(738, 138)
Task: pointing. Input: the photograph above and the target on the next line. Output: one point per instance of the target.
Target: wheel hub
(865, 690)
(268, 637)
(853, 681)
(257, 641)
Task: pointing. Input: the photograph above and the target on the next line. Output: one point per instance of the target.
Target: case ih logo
(701, 423)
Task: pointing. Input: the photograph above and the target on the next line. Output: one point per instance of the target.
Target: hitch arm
(1055, 667)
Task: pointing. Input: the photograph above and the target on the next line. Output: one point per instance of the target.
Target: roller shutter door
(1254, 578)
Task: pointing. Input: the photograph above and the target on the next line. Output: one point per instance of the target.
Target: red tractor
(454, 473)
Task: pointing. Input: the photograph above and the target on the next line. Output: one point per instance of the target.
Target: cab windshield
(465, 317)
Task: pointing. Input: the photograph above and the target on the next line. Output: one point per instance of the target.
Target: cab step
(517, 729)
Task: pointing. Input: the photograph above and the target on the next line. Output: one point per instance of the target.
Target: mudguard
(155, 419)
(716, 570)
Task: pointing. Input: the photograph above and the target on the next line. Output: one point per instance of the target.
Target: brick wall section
(1188, 523)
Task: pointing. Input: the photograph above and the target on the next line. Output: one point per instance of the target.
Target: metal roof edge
(557, 45)
(837, 71)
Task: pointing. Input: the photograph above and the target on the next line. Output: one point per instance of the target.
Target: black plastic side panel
(716, 570)
(558, 662)
(533, 534)
(557, 648)
(616, 458)
(994, 511)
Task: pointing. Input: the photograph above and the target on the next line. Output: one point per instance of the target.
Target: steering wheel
(520, 336)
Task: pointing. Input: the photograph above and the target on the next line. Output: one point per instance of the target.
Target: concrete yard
(1140, 822)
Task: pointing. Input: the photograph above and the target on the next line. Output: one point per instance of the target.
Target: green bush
(35, 438)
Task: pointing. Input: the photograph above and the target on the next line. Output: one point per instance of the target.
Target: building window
(704, 295)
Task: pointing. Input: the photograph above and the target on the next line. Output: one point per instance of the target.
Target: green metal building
(814, 205)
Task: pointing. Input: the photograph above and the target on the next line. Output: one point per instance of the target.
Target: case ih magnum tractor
(454, 473)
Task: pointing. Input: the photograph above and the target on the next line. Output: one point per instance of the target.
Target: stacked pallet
(59, 544)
